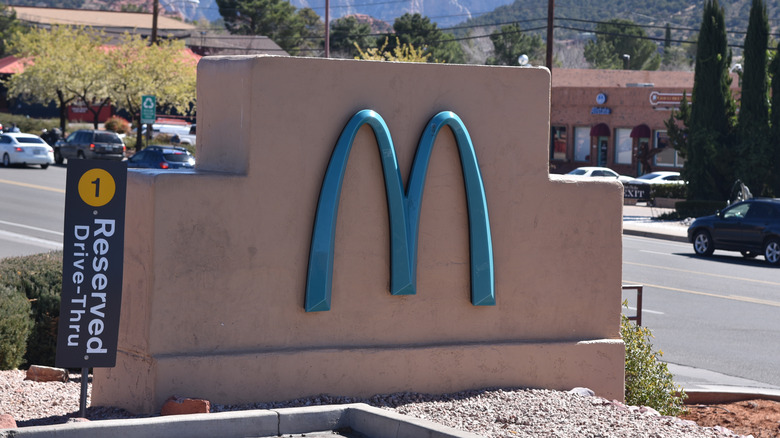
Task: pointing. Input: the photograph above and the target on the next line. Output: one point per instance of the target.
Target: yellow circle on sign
(97, 187)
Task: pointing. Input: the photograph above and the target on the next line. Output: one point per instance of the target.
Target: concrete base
(561, 366)
(363, 419)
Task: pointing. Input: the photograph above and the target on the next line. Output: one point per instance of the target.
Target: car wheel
(749, 254)
(44, 166)
(702, 243)
(6, 160)
(58, 157)
(772, 251)
(80, 155)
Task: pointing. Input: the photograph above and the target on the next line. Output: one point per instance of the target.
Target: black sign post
(93, 251)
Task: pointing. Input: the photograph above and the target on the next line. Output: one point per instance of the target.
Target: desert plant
(15, 325)
(648, 380)
(39, 278)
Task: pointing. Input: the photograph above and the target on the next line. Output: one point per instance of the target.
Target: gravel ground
(490, 412)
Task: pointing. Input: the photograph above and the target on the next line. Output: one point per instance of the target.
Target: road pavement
(701, 385)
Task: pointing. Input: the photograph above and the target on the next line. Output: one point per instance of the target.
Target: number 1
(97, 187)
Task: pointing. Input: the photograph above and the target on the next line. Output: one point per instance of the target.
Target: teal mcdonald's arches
(403, 209)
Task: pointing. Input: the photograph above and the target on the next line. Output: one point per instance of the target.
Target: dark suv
(162, 157)
(90, 143)
(751, 227)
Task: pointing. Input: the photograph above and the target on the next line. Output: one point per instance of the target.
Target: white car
(19, 148)
(600, 171)
(660, 177)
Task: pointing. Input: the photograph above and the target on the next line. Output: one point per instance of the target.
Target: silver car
(91, 144)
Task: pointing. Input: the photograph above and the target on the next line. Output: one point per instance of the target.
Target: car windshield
(29, 140)
(104, 137)
(177, 157)
(650, 176)
(578, 172)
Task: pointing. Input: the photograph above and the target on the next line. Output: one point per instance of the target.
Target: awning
(640, 131)
(600, 130)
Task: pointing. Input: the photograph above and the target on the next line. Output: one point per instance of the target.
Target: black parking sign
(93, 252)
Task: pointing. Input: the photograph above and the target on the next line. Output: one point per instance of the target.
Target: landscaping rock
(39, 373)
(179, 405)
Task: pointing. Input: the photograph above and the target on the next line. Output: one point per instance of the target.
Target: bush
(15, 325)
(39, 278)
(679, 191)
(28, 124)
(687, 209)
(648, 380)
(118, 125)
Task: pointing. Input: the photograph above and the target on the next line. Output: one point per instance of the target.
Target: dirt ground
(760, 418)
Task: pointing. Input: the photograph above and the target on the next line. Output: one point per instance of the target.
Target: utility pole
(155, 12)
(550, 22)
(327, 28)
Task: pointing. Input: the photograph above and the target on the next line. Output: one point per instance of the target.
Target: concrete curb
(358, 417)
(728, 395)
(655, 235)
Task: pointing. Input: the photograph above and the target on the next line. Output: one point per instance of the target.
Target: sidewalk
(702, 386)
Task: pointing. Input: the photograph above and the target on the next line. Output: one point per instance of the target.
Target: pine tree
(774, 123)
(708, 168)
(753, 160)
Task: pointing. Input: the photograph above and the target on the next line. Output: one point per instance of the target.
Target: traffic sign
(148, 109)
(93, 253)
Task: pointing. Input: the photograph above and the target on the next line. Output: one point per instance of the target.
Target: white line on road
(657, 252)
(647, 311)
(43, 230)
(21, 238)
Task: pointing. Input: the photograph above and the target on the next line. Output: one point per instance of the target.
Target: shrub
(118, 125)
(30, 125)
(669, 191)
(648, 380)
(698, 208)
(39, 278)
(15, 325)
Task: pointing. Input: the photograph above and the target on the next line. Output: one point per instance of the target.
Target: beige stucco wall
(215, 260)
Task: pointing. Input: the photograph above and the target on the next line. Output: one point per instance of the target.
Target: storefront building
(615, 119)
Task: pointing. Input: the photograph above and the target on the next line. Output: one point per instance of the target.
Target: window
(558, 143)
(667, 157)
(623, 145)
(582, 143)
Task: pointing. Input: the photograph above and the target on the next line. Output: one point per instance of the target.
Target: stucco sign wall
(515, 273)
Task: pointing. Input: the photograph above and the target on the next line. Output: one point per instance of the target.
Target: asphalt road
(32, 208)
(720, 313)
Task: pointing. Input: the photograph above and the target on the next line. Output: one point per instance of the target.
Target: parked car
(162, 157)
(660, 177)
(188, 139)
(19, 148)
(91, 144)
(599, 171)
(751, 227)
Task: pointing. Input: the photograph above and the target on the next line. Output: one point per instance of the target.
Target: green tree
(418, 31)
(709, 155)
(346, 33)
(53, 69)
(774, 122)
(8, 26)
(618, 37)
(275, 19)
(754, 164)
(165, 70)
(312, 31)
(509, 43)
